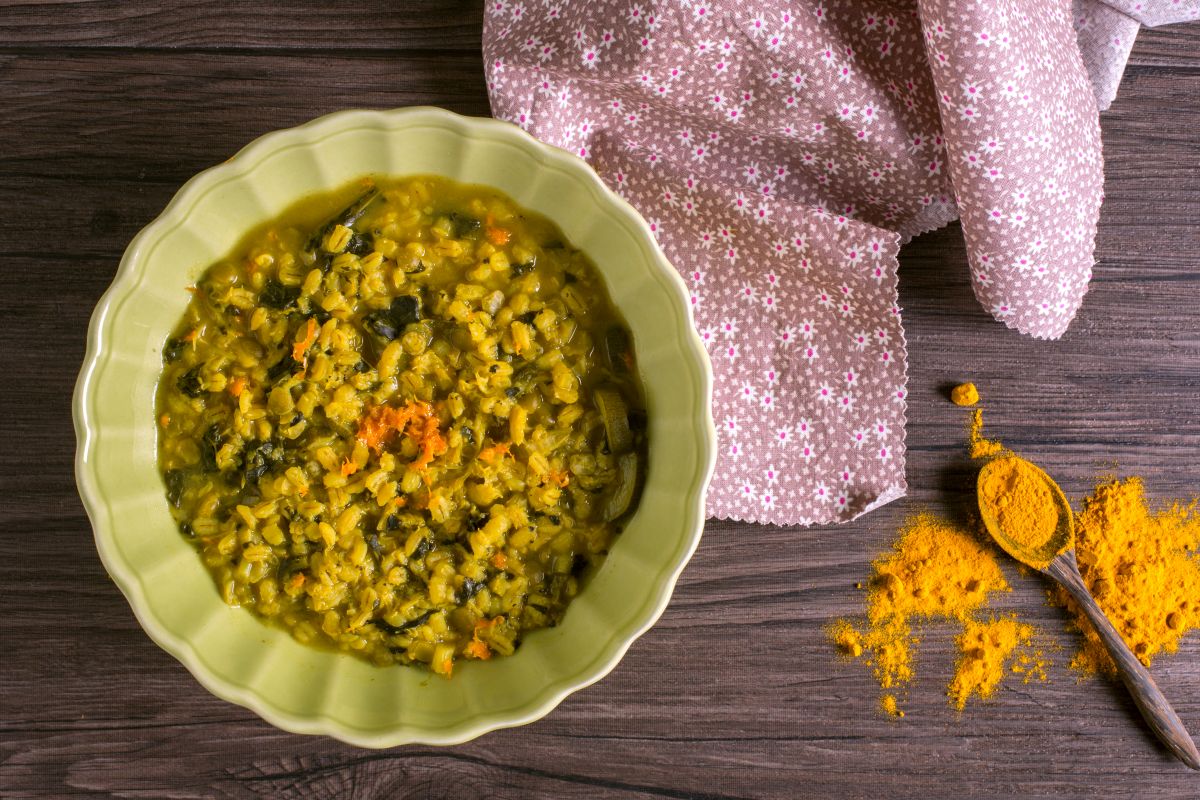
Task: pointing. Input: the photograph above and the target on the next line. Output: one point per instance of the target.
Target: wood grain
(110, 106)
(439, 25)
(1154, 706)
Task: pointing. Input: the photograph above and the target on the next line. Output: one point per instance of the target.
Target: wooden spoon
(1056, 558)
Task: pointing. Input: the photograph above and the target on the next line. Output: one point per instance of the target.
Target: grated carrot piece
(237, 386)
(498, 236)
(349, 468)
(164, 420)
(560, 477)
(490, 455)
(302, 344)
(478, 649)
(499, 561)
(417, 420)
(431, 441)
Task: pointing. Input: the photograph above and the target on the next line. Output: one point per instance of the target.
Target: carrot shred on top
(560, 477)
(349, 468)
(490, 455)
(500, 561)
(237, 386)
(498, 236)
(417, 420)
(302, 344)
(478, 649)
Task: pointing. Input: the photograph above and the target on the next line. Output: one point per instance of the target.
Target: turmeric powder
(935, 571)
(977, 445)
(1015, 494)
(1143, 568)
(965, 394)
(985, 648)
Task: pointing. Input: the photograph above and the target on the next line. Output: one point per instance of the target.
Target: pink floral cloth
(783, 151)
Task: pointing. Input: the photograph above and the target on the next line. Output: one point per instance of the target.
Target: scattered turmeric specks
(986, 655)
(935, 571)
(1141, 565)
(940, 571)
(977, 445)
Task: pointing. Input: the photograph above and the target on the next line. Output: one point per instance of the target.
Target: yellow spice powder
(889, 705)
(1141, 565)
(977, 445)
(1143, 568)
(935, 571)
(965, 394)
(986, 655)
(1015, 494)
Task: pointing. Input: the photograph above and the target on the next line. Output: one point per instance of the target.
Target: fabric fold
(781, 153)
(1023, 135)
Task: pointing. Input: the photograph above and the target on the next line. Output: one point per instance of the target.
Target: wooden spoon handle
(1149, 698)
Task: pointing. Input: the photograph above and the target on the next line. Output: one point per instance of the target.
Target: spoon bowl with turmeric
(1029, 517)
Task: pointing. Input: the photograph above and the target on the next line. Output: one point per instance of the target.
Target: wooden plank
(441, 25)
(1170, 45)
(163, 116)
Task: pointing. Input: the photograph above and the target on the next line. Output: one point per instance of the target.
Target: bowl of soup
(394, 427)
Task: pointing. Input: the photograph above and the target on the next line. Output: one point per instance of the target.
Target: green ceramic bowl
(230, 652)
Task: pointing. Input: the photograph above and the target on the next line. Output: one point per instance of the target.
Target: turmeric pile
(1016, 494)
(1143, 568)
(965, 394)
(936, 571)
(1141, 565)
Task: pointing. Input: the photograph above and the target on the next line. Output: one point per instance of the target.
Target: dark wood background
(107, 107)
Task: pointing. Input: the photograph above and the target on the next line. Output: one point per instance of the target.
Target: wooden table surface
(109, 106)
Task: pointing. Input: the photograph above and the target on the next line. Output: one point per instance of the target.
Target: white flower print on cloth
(781, 152)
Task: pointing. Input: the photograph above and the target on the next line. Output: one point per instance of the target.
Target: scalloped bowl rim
(98, 354)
